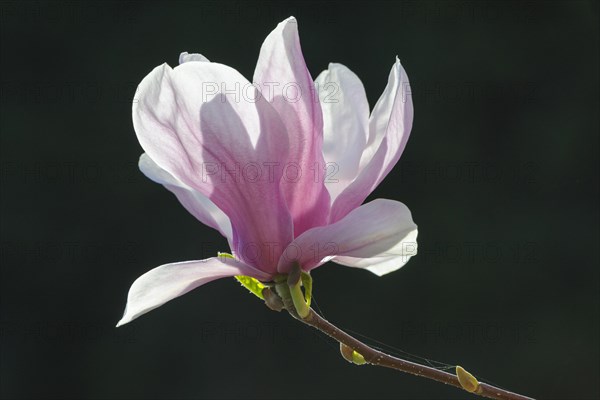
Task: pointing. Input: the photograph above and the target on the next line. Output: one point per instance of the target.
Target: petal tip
(182, 57)
(187, 57)
(283, 25)
(126, 318)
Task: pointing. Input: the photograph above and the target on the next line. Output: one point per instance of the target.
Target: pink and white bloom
(279, 168)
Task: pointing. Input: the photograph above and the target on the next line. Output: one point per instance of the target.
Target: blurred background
(500, 173)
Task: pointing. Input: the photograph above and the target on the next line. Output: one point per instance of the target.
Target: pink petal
(196, 203)
(164, 283)
(345, 125)
(282, 75)
(222, 146)
(368, 236)
(389, 129)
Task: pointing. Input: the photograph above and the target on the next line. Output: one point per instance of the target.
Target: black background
(500, 173)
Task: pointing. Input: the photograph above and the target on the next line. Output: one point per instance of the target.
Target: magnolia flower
(279, 167)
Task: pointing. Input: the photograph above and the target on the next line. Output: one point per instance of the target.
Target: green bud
(351, 355)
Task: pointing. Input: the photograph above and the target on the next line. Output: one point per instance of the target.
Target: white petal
(186, 57)
(345, 124)
(389, 129)
(164, 283)
(391, 118)
(387, 261)
(195, 202)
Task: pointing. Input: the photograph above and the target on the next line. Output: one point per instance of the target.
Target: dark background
(500, 173)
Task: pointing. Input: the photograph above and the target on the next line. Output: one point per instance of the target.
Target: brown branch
(379, 358)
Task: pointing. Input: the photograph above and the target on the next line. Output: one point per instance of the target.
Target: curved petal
(164, 283)
(196, 203)
(372, 234)
(221, 146)
(285, 81)
(187, 57)
(389, 129)
(388, 261)
(345, 125)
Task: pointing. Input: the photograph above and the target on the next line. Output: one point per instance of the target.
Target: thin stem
(379, 358)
